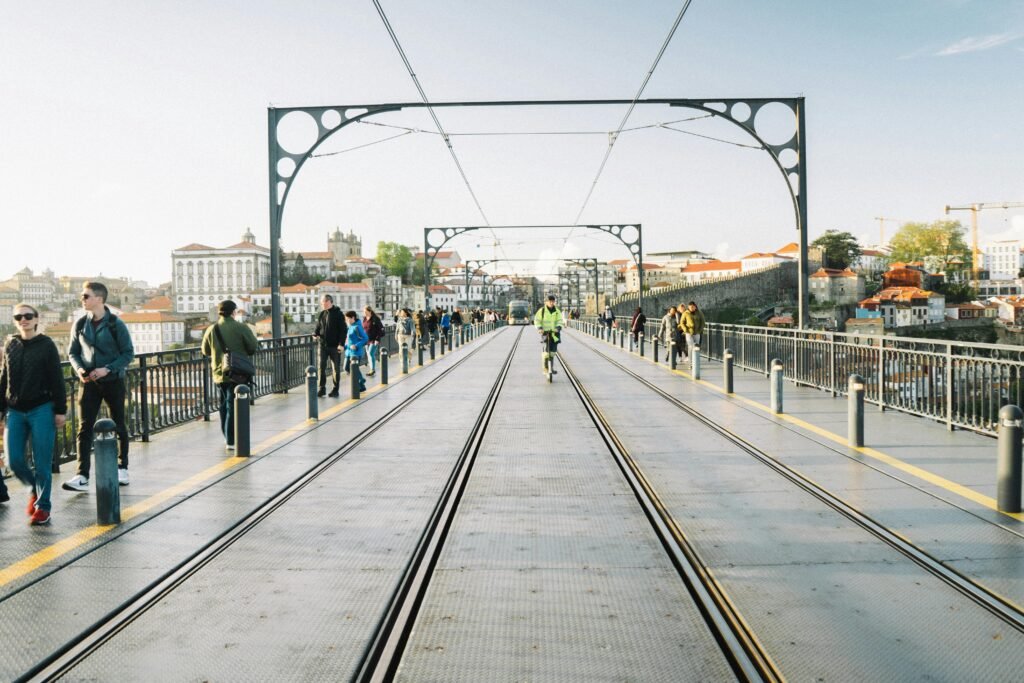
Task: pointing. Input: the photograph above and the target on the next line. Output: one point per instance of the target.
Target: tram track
(1002, 608)
(748, 658)
(63, 659)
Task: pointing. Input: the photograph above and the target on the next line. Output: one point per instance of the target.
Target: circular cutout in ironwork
(435, 238)
(450, 232)
(788, 157)
(635, 248)
(297, 132)
(629, 234)
(330, 119)
(775, 123)
(286, 167)
(740, 111)
(616, 230)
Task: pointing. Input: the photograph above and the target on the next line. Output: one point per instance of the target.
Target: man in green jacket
(692, 324)
(238, 338)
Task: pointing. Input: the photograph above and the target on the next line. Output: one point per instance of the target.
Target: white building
(1002, 259)
(443, 296)
(317, 263)
(203, 276)
(302, 302)
(871, 262)
(350, 296)
(152, 332)
(698, 272)
(761, 260)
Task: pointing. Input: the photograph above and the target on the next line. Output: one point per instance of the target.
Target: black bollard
(444, 343)
(354, 376)
(405, 358)
(727, 359)
(641, 338)
(672, 354)
(655, 349)
(312, 406)
(695, 361)
(1008, 471)
(433, 343)
(108, 495)
(241, 414)
(775, 386)
(384, 366)
(419, 354)
(855, 412)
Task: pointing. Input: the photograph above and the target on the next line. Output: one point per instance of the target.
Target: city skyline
(123, 145)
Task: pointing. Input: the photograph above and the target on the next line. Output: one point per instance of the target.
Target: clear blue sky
(132, 128)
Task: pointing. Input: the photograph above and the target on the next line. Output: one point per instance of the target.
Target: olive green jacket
(237, 336)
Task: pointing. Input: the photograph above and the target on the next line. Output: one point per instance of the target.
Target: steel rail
(381, 658)
(1004, 609)
(747, 656)
(66, 657)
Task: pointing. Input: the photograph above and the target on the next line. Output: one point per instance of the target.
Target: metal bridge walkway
(549, 568)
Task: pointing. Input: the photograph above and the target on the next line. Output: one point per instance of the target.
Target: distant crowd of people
(681, 327)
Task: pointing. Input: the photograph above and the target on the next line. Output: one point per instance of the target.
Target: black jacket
(330, 327)
(30, 375)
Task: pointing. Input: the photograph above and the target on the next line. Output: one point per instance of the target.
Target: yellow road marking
(62, 547)
(914, 471)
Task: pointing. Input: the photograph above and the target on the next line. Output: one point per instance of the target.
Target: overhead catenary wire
(615, 136)
(433, 115)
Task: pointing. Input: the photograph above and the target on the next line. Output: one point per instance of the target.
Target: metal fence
(961, 384)
(174, 387)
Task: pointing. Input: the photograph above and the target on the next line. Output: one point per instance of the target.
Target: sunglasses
(86, 296)
(25, 316)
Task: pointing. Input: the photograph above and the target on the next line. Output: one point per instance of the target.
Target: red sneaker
(40, 517)
(31, 504)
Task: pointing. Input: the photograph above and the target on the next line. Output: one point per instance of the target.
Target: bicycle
(548, 355)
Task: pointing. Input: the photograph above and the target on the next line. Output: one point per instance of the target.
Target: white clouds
(977, 44)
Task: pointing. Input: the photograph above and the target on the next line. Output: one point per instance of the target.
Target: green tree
(839, 249)
(395, 259)
(417, 271)
(299, 271)
(939, 241)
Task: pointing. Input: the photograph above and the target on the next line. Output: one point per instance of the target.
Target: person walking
(432, 324)
(608, 317)
(446, 326)
(329, 332)
(374, 329)
(457, 321)
(100, 351)
(668, 330)
(33, 405)
(693, 324)
(637, 325)
(420, 323)
(355, 345)
(404, 329)
(227, 334)
(681, 346)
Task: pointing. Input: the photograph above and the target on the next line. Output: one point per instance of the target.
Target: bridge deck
(550, 570)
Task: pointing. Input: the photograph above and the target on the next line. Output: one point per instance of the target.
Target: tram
(519, 312)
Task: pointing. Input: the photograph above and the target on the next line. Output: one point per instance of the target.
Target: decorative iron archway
(630, 234)
(284, 165)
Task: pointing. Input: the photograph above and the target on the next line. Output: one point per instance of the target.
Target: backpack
(80, 326)
(406, 326)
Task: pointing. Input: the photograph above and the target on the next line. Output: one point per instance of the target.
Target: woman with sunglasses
(33, 403)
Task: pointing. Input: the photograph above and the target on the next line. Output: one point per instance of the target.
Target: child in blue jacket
(355, 344)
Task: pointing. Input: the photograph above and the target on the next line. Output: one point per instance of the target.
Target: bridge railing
(961, 384)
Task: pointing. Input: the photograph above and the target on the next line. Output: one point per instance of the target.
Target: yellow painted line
(914, 471)
(64, 546)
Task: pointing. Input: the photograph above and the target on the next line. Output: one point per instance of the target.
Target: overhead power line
(433, 114)
(615, 136)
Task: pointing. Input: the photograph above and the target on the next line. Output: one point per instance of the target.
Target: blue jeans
(373, 351)
(36, 424)
(227, 412)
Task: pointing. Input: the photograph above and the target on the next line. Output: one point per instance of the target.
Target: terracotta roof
(195, 246)
(159, 303)
(833, 272)
(970, 307)
(338, 286)
(711, 266)
(318, 255)
(247, 245)
(758, 254)
(781, 320)
(871, 252)
(619, 262)
(788, 248)
(158, 317)
(440, 289)
(648, 266)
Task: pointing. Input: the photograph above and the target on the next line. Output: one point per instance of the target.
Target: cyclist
(548, 321)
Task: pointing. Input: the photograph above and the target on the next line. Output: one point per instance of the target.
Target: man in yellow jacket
(549, 320)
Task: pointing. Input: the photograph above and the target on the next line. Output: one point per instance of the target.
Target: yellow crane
(974, 209)
(881, 227)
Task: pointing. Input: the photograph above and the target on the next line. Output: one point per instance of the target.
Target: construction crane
(974, 209)
(881, 227)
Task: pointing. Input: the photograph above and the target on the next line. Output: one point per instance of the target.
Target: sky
(131, 128)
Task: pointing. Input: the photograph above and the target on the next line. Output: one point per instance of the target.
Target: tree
(839, 249)
(395, 259)
(417, 271)
(941, 242)
(299, 271)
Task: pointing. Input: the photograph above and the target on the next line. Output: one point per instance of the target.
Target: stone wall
(759, 288)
